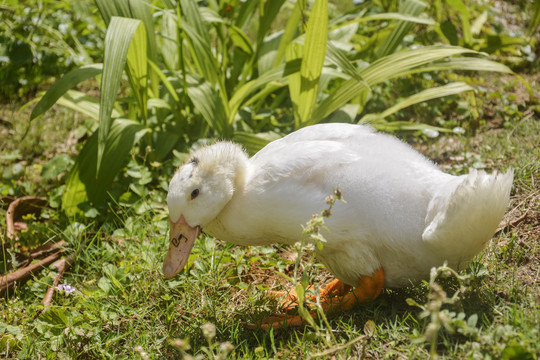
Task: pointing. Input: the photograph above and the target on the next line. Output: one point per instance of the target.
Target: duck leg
(335, 297)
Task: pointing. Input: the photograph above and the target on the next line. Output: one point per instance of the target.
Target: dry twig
(8, 281)
(19, 207)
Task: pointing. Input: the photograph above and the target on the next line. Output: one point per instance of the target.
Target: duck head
(198, 191)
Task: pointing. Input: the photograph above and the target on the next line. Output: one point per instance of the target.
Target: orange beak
(182, 237)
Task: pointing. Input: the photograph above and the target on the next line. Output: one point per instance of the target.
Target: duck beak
(182, 237)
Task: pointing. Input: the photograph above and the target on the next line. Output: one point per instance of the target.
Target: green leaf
(198, 38)
(66, 83)
(117, 41)
(465, 63)
(477, 25)
(267, 52)
(399, 64)
(107, 9)
(422, 96)
(395, 65)
(450, 32)
(294, 54)
(338, 99)
(403, 27)
(82, 103)
(55, 166)
(240, 39)
(137, 69)
(170, 43)
(398, 16)
(135, 9)
(339, 58)
(207, 100)
(142, 10)
(464, 16)
(253, 142)
(267, 14)
(83, 183)
(244, 12)
(164, 80)
(314, 54)
(105, 284)
(516, 352)
(280, 73)
(163, 144)
(290, 30)
(391, 126)
(535, 20)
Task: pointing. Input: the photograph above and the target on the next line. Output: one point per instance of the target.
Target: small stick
(512, 224)
(25, 273)
(19, 207)
(42, 251)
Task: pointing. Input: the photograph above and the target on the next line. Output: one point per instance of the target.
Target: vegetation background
(101, 101)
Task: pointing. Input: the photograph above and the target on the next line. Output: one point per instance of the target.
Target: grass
(124, 308)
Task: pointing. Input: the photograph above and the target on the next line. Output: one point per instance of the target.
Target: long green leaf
(267, 52)
(295, 53)
(535, 20)
(198, 38)
(164, 80)
(135, 9)
(254, 142)
(390, 126)
(314, 54)
(390, 44)
(244, 13)
(169, 35)
(290, 30)
(465, 63)
(84, 184)
(137, 69)
(465, 18)
(399, 63)
(280, 73)
(117, 41)
(391, 66)
(267, 14)
(107, 9)
(339, 98)
(397, 16)
(83, 103)
(207, 100)
(142, 10)
(339, 58)
(240, 39)
(422, 96)
(66, 83)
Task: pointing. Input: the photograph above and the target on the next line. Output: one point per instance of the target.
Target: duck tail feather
(460, 222)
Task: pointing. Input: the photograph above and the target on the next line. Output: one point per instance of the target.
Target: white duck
(402, 217)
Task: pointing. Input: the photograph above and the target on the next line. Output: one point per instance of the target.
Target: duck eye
(194, 194)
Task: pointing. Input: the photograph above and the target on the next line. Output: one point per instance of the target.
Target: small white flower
(430, 133)
(68, 289)
(209, 331)
(458, 130)
(63, 28)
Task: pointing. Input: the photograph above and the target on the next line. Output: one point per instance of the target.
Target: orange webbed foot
(335, 297)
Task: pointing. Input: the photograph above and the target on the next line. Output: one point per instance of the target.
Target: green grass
(124, 308)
